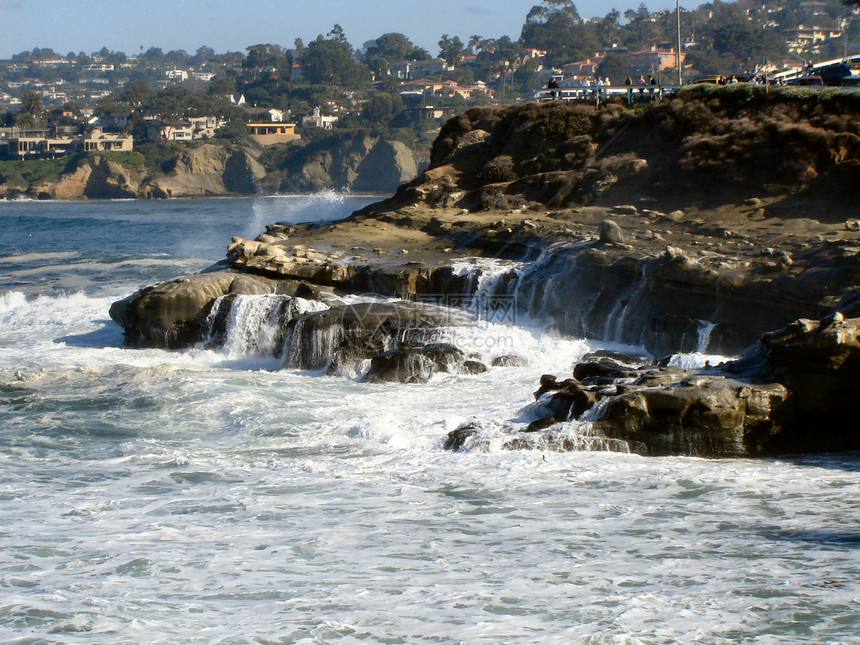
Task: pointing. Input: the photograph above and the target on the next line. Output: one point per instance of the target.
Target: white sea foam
(163, 497)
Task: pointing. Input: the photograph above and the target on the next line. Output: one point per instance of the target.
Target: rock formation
(577, 198)
(207, 170)
(95, 177)
(353, 161)
(792, 392)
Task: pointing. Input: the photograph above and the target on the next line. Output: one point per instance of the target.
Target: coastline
(623, 261)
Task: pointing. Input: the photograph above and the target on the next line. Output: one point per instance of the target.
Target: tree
(329, 62)
(221, 86)
(24, 120)
(614, 66)
(202, 55)
(553, 27)
(391, 46)
(264, 56)
(32, 104)
(475, 44)
(382, 108)
(336, 34)
(177, 58)
(451, 49)
(154, 55)
(136, 92)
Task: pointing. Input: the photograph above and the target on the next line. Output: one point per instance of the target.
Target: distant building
(99, 141)
(39, 144)
(652, 60)
(97, 67)
(177, 130)
(36, 144)
(176, 74)
(804, 38)
(414, 69)
(587, 67)
(268, 134)
(317, 120)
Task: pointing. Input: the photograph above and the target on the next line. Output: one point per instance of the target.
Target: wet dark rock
(795, 391)
(625, 209)
(624, 358)
(317, 338)
(571, 400)
(174, 313)
(413, 364)
(604, 367)
(540, 424)
(609, 232)
(510, 360)
(472, 367)
(456, 439)
(548, 383)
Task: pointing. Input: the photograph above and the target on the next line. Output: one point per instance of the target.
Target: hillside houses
(188, 129)
(42, 144)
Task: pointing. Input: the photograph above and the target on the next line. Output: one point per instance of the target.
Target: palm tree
(475, 43)
(32, 104)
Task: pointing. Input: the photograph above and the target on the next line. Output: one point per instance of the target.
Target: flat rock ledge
(793, 392)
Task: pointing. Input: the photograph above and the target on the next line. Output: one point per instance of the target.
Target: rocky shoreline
(597, 249)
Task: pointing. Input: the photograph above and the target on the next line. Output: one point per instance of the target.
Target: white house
(317, 120)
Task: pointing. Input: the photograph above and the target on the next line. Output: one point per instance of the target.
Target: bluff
(349, 161)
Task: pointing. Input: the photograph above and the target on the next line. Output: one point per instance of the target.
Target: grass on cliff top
(20, 174)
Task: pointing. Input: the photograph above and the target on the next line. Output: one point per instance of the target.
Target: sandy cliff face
(354, 161)
(208, 170)
(96, 177)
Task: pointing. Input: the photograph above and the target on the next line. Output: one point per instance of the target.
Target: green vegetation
(21, 174)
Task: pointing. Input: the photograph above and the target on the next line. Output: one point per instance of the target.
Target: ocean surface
(203, 496)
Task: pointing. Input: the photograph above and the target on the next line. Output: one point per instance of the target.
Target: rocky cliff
(207, 170)
(701, 147)
(355, 161)
(96, 177)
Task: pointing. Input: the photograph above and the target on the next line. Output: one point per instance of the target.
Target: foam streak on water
(193, 497)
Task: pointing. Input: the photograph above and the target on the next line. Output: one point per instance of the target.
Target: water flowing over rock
(175, 313)
(398, 339)
(602, 224)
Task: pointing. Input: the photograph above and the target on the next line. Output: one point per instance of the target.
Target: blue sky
(126, 25)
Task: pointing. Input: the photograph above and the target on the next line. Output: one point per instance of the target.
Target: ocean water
(149, 496)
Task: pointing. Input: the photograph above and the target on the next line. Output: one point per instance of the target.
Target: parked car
(810, 80)
(833, 74)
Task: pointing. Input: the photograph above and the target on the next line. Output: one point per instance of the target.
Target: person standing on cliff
(552, 86)
(641, 84)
